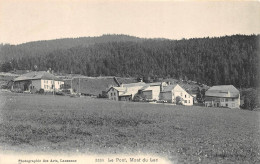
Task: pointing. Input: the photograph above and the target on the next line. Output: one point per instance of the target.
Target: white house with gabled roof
(176, 94)
(152, 90)
(125, 92)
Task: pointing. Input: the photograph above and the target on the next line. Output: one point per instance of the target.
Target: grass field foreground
(44, 123)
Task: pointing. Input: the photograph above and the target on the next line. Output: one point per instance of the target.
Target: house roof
(96, 85)
(169, 88)
(120, 89)
(125, 94)
(93, 86)
(134, 84)
(144, 88)
(155, 83)
(222, 91)
(37, 75)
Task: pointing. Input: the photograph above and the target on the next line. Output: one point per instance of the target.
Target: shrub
(41, 91)
(250, 98)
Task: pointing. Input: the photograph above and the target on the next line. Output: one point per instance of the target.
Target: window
(233, 99)
(188, 101)
(114, 93)
(189, 96)
(226, 104)
(185, 101)
(185, 96)
(226, 99)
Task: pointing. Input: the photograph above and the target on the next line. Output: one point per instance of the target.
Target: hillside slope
(212, 61)
(45, 47)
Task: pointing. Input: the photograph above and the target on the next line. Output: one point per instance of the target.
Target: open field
(44, 123)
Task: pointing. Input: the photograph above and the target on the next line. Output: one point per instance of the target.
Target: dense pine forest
(222, 60)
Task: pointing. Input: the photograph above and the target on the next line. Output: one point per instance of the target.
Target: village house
(152, 90)
(222, 96)
(176, 94)
(34, 81)
(125, 92)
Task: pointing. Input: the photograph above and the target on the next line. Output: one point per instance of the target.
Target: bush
(59, 93)
(250, 98)
(41, 91)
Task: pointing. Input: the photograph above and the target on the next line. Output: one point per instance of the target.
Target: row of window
(217, 105)
(46, 81)
(184, 95)
(226, 99)
(48, 87)
(185, 101)
(113, 98)
(112, 94)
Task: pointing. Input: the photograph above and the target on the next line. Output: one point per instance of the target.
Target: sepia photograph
(129, 81)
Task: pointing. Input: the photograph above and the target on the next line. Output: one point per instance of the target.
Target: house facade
(34, 81)
(126, 92)
(222, 96)
(152, 91)
(115, 93)
(177, 95)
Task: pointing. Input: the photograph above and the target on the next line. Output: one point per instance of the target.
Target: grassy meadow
(45, 123)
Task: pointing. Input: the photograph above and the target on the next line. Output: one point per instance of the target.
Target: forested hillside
(222, 60)
(39, 48)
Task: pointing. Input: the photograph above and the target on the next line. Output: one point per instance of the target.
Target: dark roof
(169, 88)
(155, 83)
(37, 75)
(222, 91)
(119, 89)
(95, 85)
(134, 84)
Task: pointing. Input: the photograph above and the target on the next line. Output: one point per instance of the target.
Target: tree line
(212, 61)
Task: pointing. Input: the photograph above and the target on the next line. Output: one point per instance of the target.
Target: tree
(6, 67)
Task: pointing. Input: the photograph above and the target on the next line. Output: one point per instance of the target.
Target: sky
(31, 20)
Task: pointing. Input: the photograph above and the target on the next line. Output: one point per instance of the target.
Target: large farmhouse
(177, 95)
(34, 81)
(222, 96)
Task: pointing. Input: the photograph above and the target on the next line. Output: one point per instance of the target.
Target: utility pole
(79, 86)
(53, 83)
(71, 85)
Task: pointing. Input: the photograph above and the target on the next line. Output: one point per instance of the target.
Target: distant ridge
(43, 47)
